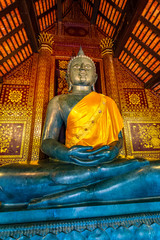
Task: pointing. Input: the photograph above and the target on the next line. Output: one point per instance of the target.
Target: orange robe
(94, 121)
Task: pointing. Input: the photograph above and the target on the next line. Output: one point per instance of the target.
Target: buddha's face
(82, 72)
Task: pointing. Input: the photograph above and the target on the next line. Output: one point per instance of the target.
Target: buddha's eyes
(78, 66)
(88, 66)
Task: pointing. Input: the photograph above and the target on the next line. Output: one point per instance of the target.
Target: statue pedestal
(124, 220)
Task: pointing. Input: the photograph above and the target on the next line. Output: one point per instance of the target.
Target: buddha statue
(87, 168)
(93, 122)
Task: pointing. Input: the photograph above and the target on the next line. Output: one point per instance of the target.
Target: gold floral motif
(150, 135)
(62, 74)
(134, 98)
(15, 96)
(62, 86)
(6, 133)
(63, 64)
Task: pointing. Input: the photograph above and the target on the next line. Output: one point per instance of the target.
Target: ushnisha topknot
(80, 54)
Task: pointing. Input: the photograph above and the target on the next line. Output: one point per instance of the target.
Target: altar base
(129, 220)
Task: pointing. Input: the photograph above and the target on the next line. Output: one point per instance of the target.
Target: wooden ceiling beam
(150, 25)
(107, 19)
(95, 11)
(139, 62)
(8, 9)
(32, 14)
(12, 33)
(46, 13)
(155, 79)
(59, 10)
(32, 33)
(14, 52)
(149, 50)
(115, 6)
(132, 12)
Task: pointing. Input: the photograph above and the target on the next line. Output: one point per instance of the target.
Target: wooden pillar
(109, 71)
(42, 91)
(111, 79)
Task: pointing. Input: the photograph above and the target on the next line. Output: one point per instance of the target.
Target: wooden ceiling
(134, 26)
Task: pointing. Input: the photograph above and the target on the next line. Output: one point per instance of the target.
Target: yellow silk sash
(94, 121)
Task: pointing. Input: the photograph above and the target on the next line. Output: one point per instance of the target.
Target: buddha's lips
(82, 76)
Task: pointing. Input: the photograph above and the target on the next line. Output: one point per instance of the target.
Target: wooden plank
(150, 25)
(132, 12)
(10, 34)
(149, 50)
(59, 10)
(14, 52)
(47, 12)
(139, 62)
(155, 79)
(95, 11)
(8, 9)
(26, 18)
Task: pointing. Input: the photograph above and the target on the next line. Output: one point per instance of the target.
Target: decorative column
(42, 91)
(110, 76)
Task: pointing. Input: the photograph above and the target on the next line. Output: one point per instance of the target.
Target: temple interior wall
(25, 93)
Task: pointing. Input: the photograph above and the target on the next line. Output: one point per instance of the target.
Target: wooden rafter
(10, 34)
(150, 25)
(14, 52)
(107, 19)
(8, 9)
(47, 12)
(139, 62)
(115, 6)
(33, 17)
(95, 11)
(26, 18)
(127, 23)
(153, 80)
(59, 10)
(149, 50)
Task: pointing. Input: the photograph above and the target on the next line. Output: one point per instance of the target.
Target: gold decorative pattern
(111, 80)
(52, 79)
(41, 100)
(46, 41)
(12, 137)
(145, 136)
(138, 106)
(18, 112)
(106, 46)
(63, 64)
(20, 75)
(14, 95)
(135, 98)
(61, 69)
(141, 129)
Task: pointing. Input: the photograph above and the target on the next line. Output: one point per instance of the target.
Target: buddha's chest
(67, 104)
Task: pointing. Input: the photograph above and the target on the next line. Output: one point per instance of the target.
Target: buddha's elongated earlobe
(70, 86)
(93, 87)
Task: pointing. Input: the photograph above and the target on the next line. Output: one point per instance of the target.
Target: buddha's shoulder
(108, 99)
(60, 99)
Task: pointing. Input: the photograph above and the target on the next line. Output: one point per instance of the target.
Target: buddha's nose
(82, 67)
